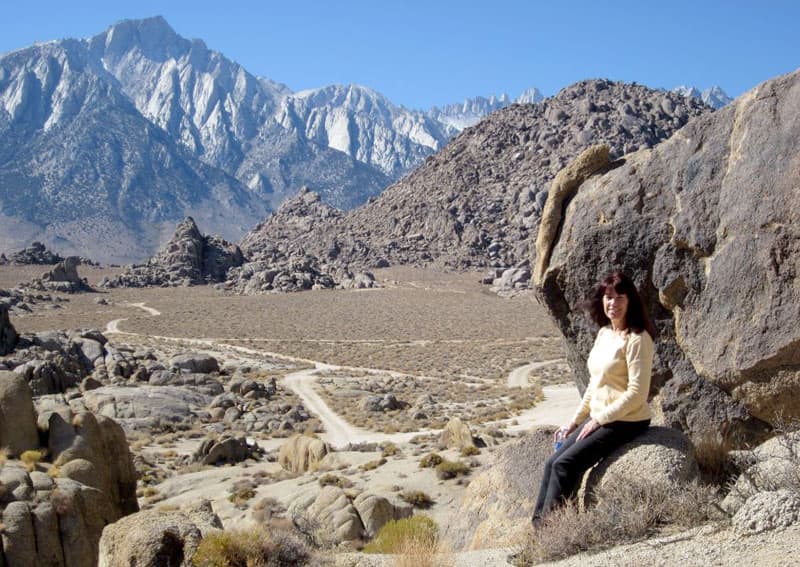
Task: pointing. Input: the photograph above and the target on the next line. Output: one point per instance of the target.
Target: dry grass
(634, 510)
(257, 547)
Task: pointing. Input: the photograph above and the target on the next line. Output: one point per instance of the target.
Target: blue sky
(421, 53)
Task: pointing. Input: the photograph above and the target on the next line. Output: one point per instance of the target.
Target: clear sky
(425, 52)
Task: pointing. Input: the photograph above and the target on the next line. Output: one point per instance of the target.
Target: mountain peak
(153, 36)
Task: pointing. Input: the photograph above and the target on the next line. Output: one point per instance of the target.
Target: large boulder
(498, 504)
(93, 450)
(456, 435)
(154, 538)
(8, 335)
(17, 418)
(661, 455)
(302, 452)
(705, 224)
(330, 511)
(376, 510)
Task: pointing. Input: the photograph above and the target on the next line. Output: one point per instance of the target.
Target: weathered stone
(767, 511)
(193, 362)
(154, 538)
(17, 418)
(333, 510)
(228, 450)
(375, 510)
(301, 452)
(48, 543)
(714, 259)
(18, 536)
(661, 455)
(456, 434)
(62, 278)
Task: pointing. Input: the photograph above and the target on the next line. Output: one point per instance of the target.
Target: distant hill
(477, 202)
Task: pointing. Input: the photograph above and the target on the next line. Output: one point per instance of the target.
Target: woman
(614, 408)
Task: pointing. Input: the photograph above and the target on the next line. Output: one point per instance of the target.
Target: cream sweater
(619, 369)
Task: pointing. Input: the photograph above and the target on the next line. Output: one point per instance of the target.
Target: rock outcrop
(62, 278)
(302, 452)
(705, 224)
(189, 258)
(8, 334)
(154, 537)
(54, 511)
(36, 253)
(17, 418)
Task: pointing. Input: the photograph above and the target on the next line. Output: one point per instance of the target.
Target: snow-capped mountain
(714, 97)
(84, 172)
(365, 125)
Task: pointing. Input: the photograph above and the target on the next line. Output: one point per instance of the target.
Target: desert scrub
(417, 498)
(256, 547)
(397, 535)
(451, 469)
(390, 450)
(334, 480)
(430, 460)
(31, 458)
(634, 509)
(372, 465)
(470, 451)
(712, 452)
(241, 492)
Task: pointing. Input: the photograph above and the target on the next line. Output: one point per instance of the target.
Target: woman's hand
(564, 431)
(591, 426)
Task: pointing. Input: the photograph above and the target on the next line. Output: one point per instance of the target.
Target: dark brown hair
(636, 318)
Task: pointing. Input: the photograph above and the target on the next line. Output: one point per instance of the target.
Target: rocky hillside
(707, 224)
(477, 202)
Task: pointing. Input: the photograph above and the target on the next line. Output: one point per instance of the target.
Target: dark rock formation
(8, 335)
(706, 224)
(62, 278)
(479, 200)
(189, 258)
(36, 253)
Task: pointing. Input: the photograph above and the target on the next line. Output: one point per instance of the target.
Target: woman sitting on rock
(614, 408)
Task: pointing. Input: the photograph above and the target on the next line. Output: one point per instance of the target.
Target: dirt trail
(518, 378)
(557, 406)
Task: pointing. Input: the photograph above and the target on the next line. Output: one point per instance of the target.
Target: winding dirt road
(556, 408)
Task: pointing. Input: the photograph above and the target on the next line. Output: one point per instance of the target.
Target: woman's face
(615, 305)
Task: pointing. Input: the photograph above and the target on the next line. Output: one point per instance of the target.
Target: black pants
(564, 470)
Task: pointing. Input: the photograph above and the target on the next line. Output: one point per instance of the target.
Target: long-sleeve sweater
(619, 368)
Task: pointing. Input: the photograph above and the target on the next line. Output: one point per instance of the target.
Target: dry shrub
(469, 451)
(431, 460)
(3, 455)
(634, 509)
(372, 465)
(31, 458)
(255, 547)
(420, 532)
(712, 452)
(417, 498)
(451, 469)
(331, 479)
